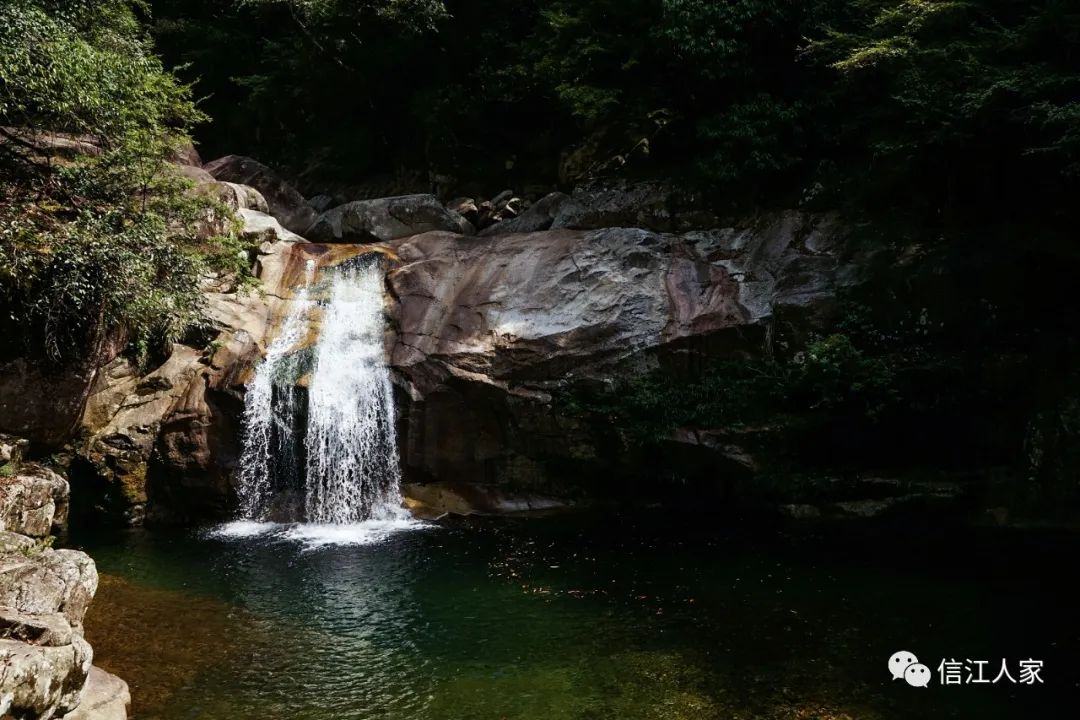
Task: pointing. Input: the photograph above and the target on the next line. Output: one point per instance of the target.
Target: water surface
(584, 618)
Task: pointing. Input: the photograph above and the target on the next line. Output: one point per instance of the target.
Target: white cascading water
(351, 443)
(267, 424)
(351, 472)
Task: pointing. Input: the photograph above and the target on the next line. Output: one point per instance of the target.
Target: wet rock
(385, 219)
(286, 204)
(435, 500)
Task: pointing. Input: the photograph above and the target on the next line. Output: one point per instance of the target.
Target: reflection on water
(578, 619)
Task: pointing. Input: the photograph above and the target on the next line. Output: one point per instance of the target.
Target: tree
(102, 240)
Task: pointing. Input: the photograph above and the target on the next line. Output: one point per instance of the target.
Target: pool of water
(591, 617)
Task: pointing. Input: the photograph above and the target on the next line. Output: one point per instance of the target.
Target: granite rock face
(489, 331)
(170, 435)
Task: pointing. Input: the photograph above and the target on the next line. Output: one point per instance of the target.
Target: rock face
(43, 403)
(489, 330)
(168, 438)
(285, 202)
(44, 595)
(365, 221)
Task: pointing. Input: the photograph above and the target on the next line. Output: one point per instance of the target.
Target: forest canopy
(965, 102)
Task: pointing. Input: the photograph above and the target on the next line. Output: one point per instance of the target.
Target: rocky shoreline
(46, 666)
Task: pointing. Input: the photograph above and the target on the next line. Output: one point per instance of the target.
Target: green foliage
(8, 470)
(104, 240)
(834, 374)
(966, 98)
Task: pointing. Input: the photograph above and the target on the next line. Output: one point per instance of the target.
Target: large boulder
(44, 596)
(491, 332)
(284, 201)
(386, 219)
(104, 697)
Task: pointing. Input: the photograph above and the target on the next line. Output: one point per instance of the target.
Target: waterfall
(268, 424)
(340, 447)
(351, 443)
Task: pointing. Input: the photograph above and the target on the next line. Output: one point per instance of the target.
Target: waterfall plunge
(349, 472)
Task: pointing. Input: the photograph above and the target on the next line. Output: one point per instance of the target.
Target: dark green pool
(584, 618)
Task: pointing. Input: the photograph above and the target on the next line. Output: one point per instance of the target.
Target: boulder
(42, 681)
(640, 205)
(193, 173)
(241, 197)
(284, 201)
(186, 154)
(43, 581)
(466, 208)
(539, 216)
(45, 663)
(386, 219)
(33, 502)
